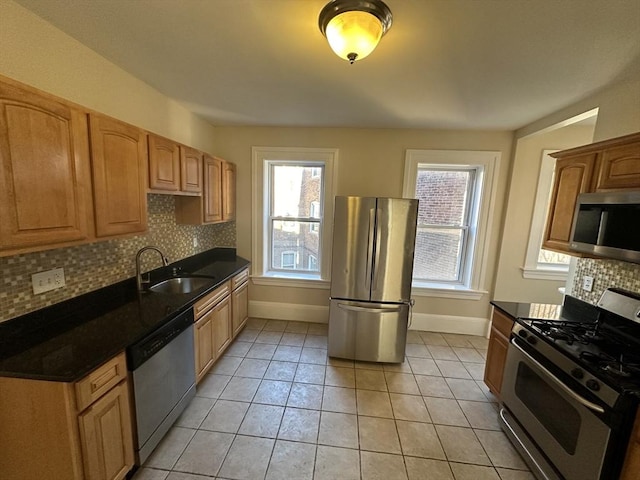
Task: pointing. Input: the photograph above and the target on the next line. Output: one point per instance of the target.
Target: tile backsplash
(92, 266)
(605, 273)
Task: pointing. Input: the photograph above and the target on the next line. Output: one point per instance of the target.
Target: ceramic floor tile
(226, 365)
(432, 338)
(401, 383)
(313, 355)
(240, 389)
(278, 370)
(338, 430)
(338, 399)
(452, 369)
(305, 395)
(430, 386)
(255, 323)
(340, 362)
(414, 337)
(456, 340)
(487, 393)
(236, 464)
(247, 336)
(382, 466)
(442, 352)
(507, 474)
(170, 448)
(287, 353)
(444, 411)
(373, 404)
(315, 341)
(403, 367)
(461, 445)
(187, 476)
(500, 450)
(423, 366)
(340, 377)
(293, 339)
(378, 435)
(427, 469)
(261, 350)
(299, 425)
(205, 453)
(261, 421)
(275, 326)
(481, 343)
(476, 370)
(409, 407)
(269, 337)
(225, 416)
(463, 389)
(273, 392)
(212, 385)
(150, 474)
(468, 355)
(297, 327)
(473, 472)
(420, 440)
(337, 463)
(291, 460)
(308, 373)
(483, 415)
(252, 368)
(417, 350)
(370, 380)
(318, 329)
(195, 412)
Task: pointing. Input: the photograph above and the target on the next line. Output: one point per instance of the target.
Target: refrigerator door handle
(376, 263)
(355, 308)
(370, 245)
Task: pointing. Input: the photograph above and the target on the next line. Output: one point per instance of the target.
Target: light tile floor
(276, 407)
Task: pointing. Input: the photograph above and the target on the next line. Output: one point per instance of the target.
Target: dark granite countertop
(66, 341)
(571, 309)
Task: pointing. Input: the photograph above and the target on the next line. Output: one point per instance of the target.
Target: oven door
(557, 421)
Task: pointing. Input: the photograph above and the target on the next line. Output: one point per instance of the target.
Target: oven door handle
(581, 400)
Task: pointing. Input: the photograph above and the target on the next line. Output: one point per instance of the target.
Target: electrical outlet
(587, 283)
(49, 280)
(195, 242)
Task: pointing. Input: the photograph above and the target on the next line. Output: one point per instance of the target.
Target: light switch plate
(49, 280)
(587, 283)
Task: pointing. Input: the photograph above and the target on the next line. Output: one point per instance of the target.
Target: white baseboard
(320, 314)
(289, 311)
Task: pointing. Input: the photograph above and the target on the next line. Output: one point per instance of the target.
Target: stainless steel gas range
(571, 387)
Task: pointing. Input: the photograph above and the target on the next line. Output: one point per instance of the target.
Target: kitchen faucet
(139, 281)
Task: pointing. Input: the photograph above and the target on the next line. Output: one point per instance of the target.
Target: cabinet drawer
(502, 323)
(201, 307)
(239, 279)
(100, 381)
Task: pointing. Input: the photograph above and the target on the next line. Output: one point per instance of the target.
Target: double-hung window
(455, 190)
(293, 208)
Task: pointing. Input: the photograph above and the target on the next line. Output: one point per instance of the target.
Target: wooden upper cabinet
(45, 182)
(610, 165)
(164, 164)
(119, 153)
(190, 170)
(573, 176)
(212, 200)
(228, 191)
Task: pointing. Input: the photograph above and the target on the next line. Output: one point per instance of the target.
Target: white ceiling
(469, 64)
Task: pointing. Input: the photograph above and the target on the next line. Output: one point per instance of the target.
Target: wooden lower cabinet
(45, 433)
(239, 308)
(221, 326)
(501, 325)
(203, 334)
(631, 468)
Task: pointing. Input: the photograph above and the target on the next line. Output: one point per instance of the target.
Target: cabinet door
(164, 164)
(620, 168)
(239, 307)
(106, 434)
(501, 326)
(221, 326)
(45, 182)
(118, 158)
(204, 345)
(190, 170)
(212, 189)
(573, 176)
(228, 191)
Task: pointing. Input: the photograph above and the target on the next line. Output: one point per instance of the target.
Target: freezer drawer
(370, 332)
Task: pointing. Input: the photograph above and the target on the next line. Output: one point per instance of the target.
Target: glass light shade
(353, 35)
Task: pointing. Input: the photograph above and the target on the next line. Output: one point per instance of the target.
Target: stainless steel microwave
(608, 225)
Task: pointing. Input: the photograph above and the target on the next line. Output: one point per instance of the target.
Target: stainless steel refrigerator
(372, 264)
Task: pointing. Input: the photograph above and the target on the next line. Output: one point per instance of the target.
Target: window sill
(292, 281)
(445, 291)
(556, 274)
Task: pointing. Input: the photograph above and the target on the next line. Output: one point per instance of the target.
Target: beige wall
(38, 54)
(510, 284)
(371, 162)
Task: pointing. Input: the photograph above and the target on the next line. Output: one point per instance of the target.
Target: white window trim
(532, 268)
(260, 276)
(490, 161)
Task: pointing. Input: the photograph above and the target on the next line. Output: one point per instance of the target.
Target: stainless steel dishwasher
(162, 366)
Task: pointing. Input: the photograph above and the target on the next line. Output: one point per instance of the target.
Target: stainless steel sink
(182, 285)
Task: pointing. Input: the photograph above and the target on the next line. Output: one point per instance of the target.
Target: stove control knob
(523, 333)
(532, 340)
(577, 373)
(593, 385)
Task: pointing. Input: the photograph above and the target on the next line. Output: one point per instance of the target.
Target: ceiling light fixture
(354, 27)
